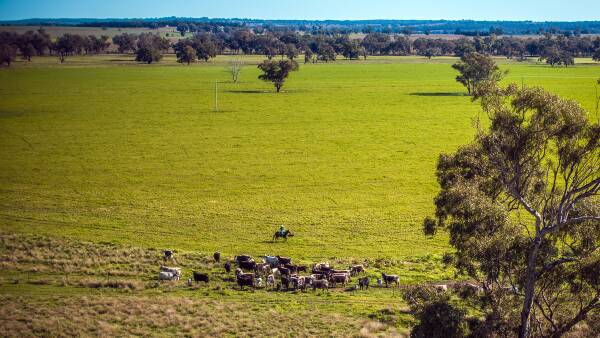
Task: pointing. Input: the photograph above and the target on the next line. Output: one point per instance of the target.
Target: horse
(284, 235)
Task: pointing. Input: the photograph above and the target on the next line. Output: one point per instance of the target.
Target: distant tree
(566, 59)
(27, 51)
(148, 54)
(308, 56)
(376, 43)
(185, 53)
(235, 68)
(463, 47)
(326, 53)
(68, 44)
(551, 55)
(521, 207)
(363, 52)
(270, 52)
(150, 47)
(41, 41)
(407, 31)
(277, 71)
(205, 46)
(8, 54)
(431, 52)
(291, 51)
(126, 42)
(351, 50)
(475, 69)
(596, 56)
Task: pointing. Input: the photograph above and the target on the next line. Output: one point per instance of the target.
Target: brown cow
(342, 278)
(356, 269)
(320, 284)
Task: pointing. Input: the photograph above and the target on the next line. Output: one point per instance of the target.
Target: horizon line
(280, 19)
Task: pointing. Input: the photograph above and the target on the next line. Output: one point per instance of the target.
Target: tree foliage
(8, 54)
(475, 69)
(150, 47)
(596, 56)
(436, 316)
(521, 204)
(185, 53)
(68, 44)
(277, 71)
(125, 42)
(553, 56)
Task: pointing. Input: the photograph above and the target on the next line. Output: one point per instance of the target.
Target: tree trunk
(529, 288)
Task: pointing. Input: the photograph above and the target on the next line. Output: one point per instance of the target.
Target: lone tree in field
(522, 207)
(8, 54)
(277, 71)
(235, 68)
(475, 69)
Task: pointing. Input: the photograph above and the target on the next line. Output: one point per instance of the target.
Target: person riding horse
(282, 233)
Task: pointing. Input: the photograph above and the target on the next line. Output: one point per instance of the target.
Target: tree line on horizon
(149, 47)
(330, 27)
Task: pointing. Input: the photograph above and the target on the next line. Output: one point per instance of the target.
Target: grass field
(104, 150)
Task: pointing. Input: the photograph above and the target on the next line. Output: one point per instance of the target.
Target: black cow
(364, 283)
(217, 257)
(284, 271)
(244, 279)
(242, 258)
(284, 260)
(293, 268)
(247, 265)
(200, 277)
(227, 267)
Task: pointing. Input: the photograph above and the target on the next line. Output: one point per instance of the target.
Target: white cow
(271, 281)
(164, 275)
(174, 271)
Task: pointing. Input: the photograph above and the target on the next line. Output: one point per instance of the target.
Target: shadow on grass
(256, 91)
(248, 91)
(438, 94)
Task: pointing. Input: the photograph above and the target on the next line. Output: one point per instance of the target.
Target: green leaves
(277, 71)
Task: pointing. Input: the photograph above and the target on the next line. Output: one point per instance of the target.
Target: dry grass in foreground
(173, 316)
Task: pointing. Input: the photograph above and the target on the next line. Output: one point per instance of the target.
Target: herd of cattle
(277, 272)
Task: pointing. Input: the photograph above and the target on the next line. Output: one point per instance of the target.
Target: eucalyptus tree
(277, 71)
(522, 206)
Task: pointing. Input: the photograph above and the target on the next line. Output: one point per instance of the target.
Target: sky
(546, 10)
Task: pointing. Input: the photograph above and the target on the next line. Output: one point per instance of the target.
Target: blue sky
(547, 10)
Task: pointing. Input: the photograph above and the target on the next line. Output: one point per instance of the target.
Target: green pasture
(104, 162)
(105, 149)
